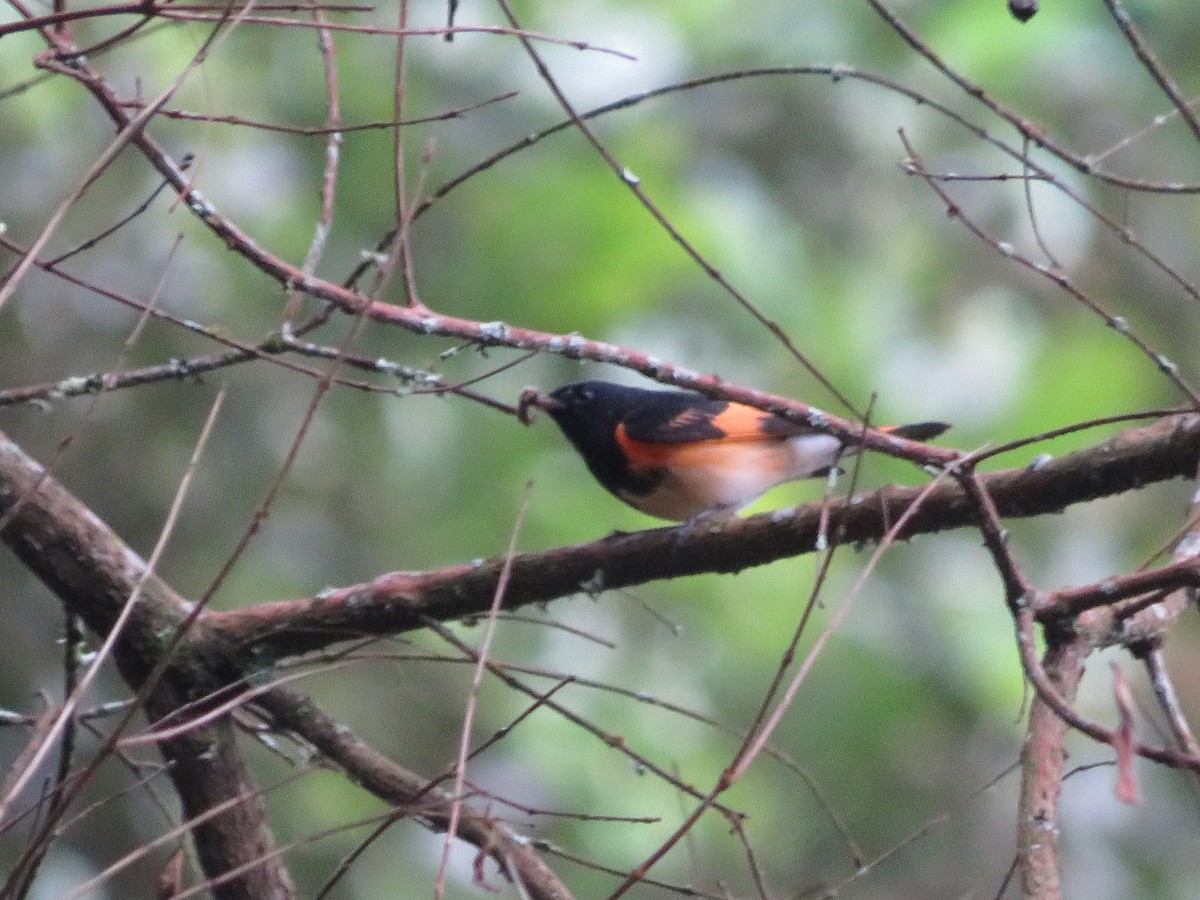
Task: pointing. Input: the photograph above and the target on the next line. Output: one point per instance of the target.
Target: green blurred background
(791, 187)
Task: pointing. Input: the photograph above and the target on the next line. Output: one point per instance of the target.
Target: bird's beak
(531, 397)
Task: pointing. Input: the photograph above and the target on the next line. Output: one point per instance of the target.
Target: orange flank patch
(707, 475)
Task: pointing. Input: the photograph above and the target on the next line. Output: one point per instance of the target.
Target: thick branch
(93, 572)
(399, 601)
(1041, 773)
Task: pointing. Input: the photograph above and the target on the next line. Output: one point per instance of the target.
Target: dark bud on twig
(1022, 10)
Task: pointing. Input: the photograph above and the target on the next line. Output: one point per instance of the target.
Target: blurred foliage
(790, 186)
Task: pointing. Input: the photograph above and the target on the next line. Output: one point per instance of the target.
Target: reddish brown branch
(1042, 771)
(401, 601)
(423, 321)
(94, 572)
(381, 776)
(417, 319)
(1069, 602)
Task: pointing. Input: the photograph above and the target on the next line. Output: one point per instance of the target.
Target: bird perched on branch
(679, 455)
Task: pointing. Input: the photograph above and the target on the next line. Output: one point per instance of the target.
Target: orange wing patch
(742, 437)
(747, 423)
(742, 423)
(707, 421)
(734, 421)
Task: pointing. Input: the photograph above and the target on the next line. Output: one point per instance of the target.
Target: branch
(515, 855)
(1042, 770)
(1033, 131)
(402, 601)
(1151, 64)
(93, 572)
(420, 320)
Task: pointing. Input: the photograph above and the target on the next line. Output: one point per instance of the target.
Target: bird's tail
(918, 431)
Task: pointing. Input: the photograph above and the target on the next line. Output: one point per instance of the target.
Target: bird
(681, 456)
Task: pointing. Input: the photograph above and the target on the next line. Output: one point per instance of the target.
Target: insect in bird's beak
(530, 398)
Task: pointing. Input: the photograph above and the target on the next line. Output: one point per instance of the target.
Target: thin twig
(481, 661)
